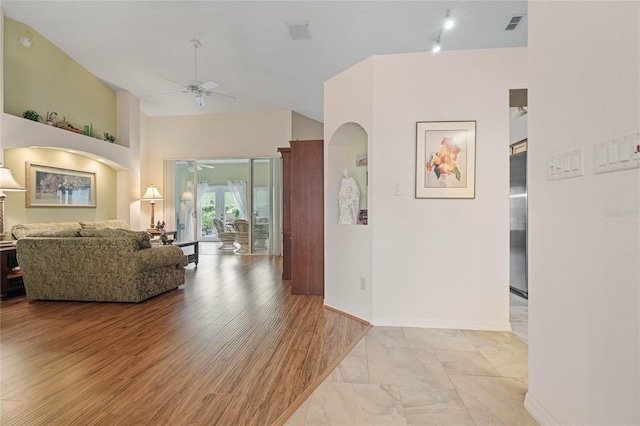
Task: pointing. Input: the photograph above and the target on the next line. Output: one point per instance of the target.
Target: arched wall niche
(348, 149)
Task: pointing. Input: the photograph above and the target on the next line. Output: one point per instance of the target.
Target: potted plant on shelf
(51, 117)
(31, 115)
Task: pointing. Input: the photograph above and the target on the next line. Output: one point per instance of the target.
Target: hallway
(400, 376)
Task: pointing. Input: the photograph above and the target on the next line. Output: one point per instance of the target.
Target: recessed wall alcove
(348, 248)
(347, 150)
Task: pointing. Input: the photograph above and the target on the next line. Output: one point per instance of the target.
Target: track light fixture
(448, 24)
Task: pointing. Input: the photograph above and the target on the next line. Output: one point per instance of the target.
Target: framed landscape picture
(56, 187)
(445, 159)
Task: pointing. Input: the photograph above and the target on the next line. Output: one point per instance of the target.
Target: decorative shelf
(18, 132)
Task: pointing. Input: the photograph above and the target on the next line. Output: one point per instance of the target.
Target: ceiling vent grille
(299, 30)
(514, 22)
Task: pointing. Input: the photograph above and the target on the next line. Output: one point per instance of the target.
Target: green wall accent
(15, 203)
(44, 78)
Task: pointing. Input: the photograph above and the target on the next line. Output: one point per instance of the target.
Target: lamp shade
(152, 194)
(7, 181)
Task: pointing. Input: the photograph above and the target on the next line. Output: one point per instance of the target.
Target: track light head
(448, 22)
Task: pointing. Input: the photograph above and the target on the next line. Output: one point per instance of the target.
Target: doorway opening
(518, 214)
(210, 199)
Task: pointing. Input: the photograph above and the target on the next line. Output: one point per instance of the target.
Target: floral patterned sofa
(102, 261)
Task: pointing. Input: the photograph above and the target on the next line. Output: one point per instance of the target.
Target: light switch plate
(566, 164)
(621, 153)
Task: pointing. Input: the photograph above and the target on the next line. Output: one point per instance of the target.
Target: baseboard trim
(353, 317)
(536, 410)
(462, 325)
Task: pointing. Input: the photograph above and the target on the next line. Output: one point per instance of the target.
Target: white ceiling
(246, 47)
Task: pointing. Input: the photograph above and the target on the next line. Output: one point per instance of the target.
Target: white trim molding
(538, 412)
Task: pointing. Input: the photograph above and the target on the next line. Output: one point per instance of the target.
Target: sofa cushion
(105, 224)
(55, 233)
(141, 239)
(24, 229)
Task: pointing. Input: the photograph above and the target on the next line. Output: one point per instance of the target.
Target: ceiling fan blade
(208, 85)
(174, 82)
(200, 101)
(227, 98)
(171, 93)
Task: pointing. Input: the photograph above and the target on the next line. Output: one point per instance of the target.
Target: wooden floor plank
(232, 346)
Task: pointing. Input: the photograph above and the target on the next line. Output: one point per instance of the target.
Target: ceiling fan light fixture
(200, 101)
(436, 47)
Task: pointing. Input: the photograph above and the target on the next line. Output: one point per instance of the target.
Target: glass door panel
(262, 196)
(184, 196)
(227, 190)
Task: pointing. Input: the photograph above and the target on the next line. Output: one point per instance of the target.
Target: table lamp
(152, 195)
(7, 183)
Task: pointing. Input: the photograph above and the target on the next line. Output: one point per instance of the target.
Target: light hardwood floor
(232, 346)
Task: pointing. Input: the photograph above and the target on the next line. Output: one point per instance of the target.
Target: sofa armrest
(157, 257)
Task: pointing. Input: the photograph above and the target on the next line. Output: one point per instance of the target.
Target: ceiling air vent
(299, 30)
(514, 22)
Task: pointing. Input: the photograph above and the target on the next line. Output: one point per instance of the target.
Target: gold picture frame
(49, 186)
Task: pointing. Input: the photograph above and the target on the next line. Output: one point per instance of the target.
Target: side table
(191, 257)
(11, 283)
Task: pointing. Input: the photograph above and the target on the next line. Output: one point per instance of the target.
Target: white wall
(584, 268)
(443, 262)
(435, 262)
(347, 248)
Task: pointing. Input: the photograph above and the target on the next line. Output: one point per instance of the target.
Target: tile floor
(418, 376)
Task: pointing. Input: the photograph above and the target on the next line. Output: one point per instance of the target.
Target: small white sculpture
(348, 200)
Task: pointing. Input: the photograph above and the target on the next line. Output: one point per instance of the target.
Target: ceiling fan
(197, 87)
(200, 167)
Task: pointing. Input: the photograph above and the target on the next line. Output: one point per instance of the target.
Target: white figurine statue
(348, 200)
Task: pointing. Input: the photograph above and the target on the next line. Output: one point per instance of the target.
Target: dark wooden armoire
(303, 216)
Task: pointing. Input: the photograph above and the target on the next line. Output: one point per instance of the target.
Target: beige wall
(305, 128)
(44, 78)
(356, 146)
(209, 137)
(15, 204)
(218, 136)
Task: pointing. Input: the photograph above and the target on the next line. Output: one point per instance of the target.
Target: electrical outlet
(363, 283)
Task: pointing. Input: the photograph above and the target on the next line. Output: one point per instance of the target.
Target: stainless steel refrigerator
(518, 224)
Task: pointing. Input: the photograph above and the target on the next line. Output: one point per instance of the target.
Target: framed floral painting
(445, 159)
